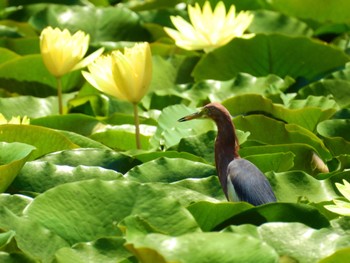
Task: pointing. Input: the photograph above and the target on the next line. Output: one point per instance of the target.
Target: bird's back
(249, 183)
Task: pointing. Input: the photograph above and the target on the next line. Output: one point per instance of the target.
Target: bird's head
(212, 110)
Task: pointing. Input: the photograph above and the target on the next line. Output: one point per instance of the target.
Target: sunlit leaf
(13, 156)
(297, 241)
(39, 176)
(93, 157)
(102, 24)
(102, 205)
(279, 133)
(268, 54)
(45, 140)
(306, 117)
(199, 247)
(107, 250)
(170, 170)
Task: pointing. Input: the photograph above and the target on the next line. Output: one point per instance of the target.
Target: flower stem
(137, 126)
(59, 95)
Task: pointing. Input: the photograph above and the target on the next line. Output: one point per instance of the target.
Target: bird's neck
(226, 148)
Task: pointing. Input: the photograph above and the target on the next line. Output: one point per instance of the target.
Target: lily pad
(13, 156)
(101, 205)
(270, 54)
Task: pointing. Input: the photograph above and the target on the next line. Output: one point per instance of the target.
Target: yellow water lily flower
(209, 29)
(125, 76)
(63, 52)
(14, 120)
(341, 207)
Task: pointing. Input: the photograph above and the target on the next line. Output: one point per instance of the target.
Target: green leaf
(266, 21)
(279, 133)
(28, 75)
(149, 156)
(278, 212)
(266, 54)
(339, 256)
(6, 237)
(298, 185)
(107, 250)
(336, 134)
(296, 241)
(46, 242)
(242, 83)
(13, 156)
(209, 215)
(82, 141)
(326, 12)
(169, 131)
(102, 24)
(39, 176)
(15, 203)
(209, 186)
(15, 257)
(30, 106)
(306, 117)
(276, 162)
(22, 46)
(169, 170)
(101, 205)
(45, 140)
(93, 157)
(123, 137)
(339, 89)
(6, 55)
(203, 145)
(298, 156)
(78, 123)
(201, 247)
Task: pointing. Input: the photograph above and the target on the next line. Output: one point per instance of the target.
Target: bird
(240, 179)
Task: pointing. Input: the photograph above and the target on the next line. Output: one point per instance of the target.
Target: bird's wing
(249, 183)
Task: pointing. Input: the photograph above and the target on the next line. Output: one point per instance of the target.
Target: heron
(240, 179)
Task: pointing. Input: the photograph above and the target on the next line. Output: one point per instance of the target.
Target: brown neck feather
(226, 147)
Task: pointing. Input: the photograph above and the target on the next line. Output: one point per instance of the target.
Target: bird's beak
(192, 116)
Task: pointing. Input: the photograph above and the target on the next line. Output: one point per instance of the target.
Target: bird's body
(240, 179)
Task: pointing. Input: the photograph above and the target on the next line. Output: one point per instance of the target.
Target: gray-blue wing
(249, 183)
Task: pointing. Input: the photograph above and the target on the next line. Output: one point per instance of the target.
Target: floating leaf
(169, 170)
(199, 247)
(306, 117)
(13, 156)
(296, 241)
(79, 123)
(39, 176)
(336, 134)
(30, 106)
(46, 242)
(279, 133)
(101, 205)
(15, 203)
(28, 75)
(123, 137)
(270, 54)
(102, 24)
(45, 140)
(107, 250)
(297, 185)
(278, 212)
(266, 21)
(209, 215)
(93, 157)
(169, 131)
(326, 12)
(339, 89)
